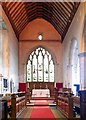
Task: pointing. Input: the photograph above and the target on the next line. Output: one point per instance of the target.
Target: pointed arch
(48, 62)
(44, 47)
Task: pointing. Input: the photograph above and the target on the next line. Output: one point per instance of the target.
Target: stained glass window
(40, 66)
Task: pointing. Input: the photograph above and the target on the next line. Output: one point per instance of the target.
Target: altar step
(42, 98)
(32, 104)
(48, 103)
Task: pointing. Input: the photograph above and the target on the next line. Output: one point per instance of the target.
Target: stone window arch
(40, 66)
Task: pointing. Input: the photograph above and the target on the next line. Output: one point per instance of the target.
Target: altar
(40, 93)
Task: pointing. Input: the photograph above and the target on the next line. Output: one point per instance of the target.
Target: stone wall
(8, 53)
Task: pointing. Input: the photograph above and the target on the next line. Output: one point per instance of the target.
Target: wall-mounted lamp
(40, 36)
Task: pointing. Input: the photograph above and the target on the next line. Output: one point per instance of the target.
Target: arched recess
(46, 49)
(74, 66)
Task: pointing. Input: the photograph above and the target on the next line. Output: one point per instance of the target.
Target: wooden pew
(65, 105)
(18, 104)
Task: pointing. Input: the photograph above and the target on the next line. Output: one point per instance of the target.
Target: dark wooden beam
(21, 22)
(59, 23)
(71, 3)
(68, 6)
(22, 27)
(33, 11)
(63, 4)
(70, 21)
(19, 15)
(52, 17)
(20, 19)
(39, 40)
(59, 18)
(16, 11)
(62, 17)
(8, 3)
(30, 6)
(10, 7)
(58, 28)
(33, 18)
(59, 14)
(62, 11)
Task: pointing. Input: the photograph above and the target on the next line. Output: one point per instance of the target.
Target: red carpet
(42, 112)
(41, 102)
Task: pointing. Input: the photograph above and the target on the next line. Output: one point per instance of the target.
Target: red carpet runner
(42, 112)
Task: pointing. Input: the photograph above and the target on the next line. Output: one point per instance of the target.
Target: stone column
(83, 77)
(82, 70)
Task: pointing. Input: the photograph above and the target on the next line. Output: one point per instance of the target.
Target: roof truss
(59, 14)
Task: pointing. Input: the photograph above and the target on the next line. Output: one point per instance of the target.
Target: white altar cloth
(40, 93)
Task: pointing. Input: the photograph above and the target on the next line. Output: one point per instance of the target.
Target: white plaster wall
(0, 51)
(9, 69)
(75, 32)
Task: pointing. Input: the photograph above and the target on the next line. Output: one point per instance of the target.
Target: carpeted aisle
(41, 112)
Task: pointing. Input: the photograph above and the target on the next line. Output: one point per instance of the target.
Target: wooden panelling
(42, 85)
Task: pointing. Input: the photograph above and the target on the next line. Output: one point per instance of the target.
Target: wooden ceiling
(59, 14)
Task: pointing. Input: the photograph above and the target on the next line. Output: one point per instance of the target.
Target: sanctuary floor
(41, 109)
(40, 104)
(27, 112)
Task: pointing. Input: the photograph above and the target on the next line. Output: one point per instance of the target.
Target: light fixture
(40, 36)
